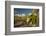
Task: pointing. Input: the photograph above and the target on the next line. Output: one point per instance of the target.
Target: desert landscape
(29, 20)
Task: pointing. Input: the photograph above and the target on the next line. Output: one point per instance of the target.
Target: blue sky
(22, 11)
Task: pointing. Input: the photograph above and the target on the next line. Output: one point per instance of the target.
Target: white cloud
(23, 14)
(30, 14)
(19, 14)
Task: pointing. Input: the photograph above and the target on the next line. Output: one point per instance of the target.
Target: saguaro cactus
(34, 17)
